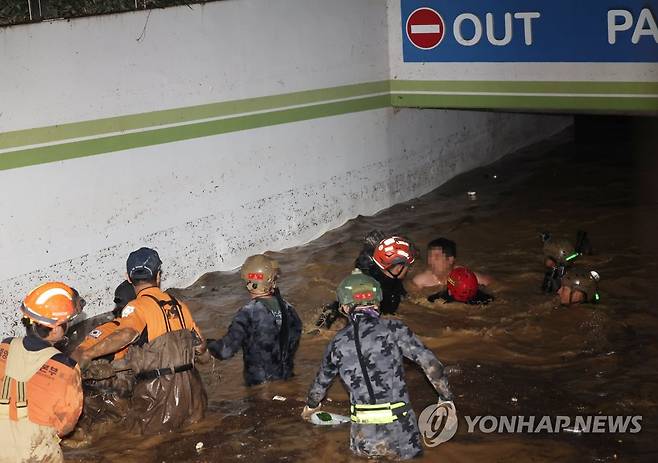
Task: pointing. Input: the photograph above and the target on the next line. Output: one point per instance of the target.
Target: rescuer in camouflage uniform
(367, 354)
(267, 329)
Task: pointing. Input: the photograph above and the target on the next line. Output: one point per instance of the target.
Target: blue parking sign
(529, 31)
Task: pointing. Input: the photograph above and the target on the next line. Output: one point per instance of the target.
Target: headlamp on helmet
(260, 273)
(358, 289)
(584, 281)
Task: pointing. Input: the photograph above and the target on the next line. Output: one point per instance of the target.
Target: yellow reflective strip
(374, 419)
(386, 406)
(371, 415)
(375, 413)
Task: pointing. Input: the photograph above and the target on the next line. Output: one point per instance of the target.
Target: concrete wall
(210, 134)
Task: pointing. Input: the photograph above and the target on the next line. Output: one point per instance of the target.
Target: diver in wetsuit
(386, 259)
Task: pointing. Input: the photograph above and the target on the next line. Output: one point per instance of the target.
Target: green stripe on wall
(519, 102)
(31, 156)
(277, 109)
(624, 96)
(526, 86)
(179, 115)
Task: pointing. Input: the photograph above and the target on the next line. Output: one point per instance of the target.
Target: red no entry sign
(425, 28)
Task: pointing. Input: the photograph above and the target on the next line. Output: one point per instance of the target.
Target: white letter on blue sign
(613, 27)
(527, 24)
(457, 29)
(491, 35)
(645, 18)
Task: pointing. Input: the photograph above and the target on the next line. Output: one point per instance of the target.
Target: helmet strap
(396, 275)
(371, 310)
(253, 287)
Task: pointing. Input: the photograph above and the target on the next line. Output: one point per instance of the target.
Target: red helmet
(462, 284)
(392, 251)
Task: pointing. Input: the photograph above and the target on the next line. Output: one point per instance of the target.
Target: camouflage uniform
(262, 335)
(383, 343)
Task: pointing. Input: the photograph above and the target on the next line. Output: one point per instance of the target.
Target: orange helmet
(392, 251)
(51, 304)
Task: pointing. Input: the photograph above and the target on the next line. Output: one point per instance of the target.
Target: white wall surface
(103, 66)
(207, 203)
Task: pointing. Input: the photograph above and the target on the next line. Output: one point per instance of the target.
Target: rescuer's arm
(326, 374)
(200, 345)
(201, 353)
(414, 349)
(295, 331)
(113, 343)
(130, 326)
(231, 343)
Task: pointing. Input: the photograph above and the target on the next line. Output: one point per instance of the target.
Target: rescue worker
(441, 260)
(41, 395)
(388, 263)
(579, 286)
(108, 379)
(462, 286)
(267, 328)
(163, 339)
(559, 255)
(387, 259)
(123, 294)
(368, 355)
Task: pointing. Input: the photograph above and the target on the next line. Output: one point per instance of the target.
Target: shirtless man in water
(441, 254)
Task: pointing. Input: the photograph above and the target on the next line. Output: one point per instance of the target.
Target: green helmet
(260, 272)
(359, 289)
(561, 251)
(579, 279)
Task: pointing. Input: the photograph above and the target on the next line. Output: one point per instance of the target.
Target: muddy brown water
(521, 355)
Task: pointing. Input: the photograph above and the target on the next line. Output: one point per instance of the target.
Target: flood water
(520, 355)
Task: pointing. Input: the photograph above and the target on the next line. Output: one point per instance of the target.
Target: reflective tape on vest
(378, 413)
